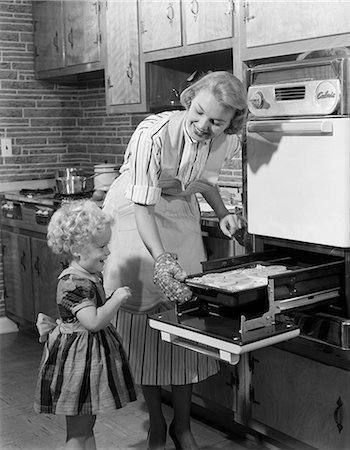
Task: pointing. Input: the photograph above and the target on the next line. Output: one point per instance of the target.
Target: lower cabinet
(220, 389)
(307, 400)
(18, 277)
(46, 266)
(30, 276)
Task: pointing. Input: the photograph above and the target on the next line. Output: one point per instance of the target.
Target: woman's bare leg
(80, 434)
(157, 424)
(181, 427)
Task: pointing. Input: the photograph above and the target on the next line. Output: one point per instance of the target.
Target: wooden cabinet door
(82, 33)
(123, 82)
(207, 20)
(48, 35)
(160, 24)
(219, 389)
(46, 267)
(18, 277)
(304, 399)
(280, 21)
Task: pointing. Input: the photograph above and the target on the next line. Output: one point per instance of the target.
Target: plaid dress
(82, 372)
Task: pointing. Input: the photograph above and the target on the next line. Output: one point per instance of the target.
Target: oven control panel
(295, 98)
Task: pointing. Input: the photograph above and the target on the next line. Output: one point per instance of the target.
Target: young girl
(84, 370)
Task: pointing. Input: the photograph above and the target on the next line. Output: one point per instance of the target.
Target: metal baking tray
(309, 279)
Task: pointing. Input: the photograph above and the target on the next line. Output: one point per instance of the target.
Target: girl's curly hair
(74, 226)
(227, 89)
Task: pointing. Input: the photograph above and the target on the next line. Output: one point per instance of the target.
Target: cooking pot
(104, 176)
(70, 182)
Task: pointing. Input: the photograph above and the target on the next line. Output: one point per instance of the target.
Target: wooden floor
(21, 428)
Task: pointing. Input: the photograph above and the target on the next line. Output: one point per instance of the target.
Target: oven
(297, 190)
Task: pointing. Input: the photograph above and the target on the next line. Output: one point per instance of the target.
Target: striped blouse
(143, 156)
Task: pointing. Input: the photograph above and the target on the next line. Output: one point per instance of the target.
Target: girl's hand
(121, 295)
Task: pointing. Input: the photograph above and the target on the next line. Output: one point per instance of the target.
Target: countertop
(208, 217)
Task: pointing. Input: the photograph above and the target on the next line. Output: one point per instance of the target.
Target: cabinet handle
(110, 85)
(230, 7)
(70, 38)
(55, 41)
(252, 396)
(37, 266)
(130, 72)
(195, 9)
(338, 415)
(142, 26)
(170, 13)
(246, 17)
(23, 261)
(98, 39)
(97, 7)
(234, 381)
(252, 362)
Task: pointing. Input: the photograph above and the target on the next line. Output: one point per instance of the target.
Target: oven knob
(257, 100)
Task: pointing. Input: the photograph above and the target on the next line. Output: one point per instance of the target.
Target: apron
(178, 218)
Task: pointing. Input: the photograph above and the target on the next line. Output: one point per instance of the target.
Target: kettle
(104, 175)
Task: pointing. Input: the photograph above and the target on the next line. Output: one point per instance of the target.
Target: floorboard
(126, 429)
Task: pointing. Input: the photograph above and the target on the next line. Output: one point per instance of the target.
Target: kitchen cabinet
(124, 74)
(220, 389)
(185, 23)
(317, 411)
(280, 27)
(30, 270)
(160, 24)
(46, 266)
(206, 21)
(17, 276)
(67, 37)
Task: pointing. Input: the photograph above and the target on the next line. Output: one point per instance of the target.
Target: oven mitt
(169, 276)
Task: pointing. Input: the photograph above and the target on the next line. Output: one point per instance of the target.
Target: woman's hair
(74, 226)
(227, 89)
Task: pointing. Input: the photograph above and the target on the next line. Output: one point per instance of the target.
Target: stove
(32, 208)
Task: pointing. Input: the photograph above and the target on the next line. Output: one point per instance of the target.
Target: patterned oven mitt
(169, 276)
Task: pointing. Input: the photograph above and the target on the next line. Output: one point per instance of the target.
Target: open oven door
(224, 323)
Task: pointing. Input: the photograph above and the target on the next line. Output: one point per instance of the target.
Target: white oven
(297, 186)
(298, 179)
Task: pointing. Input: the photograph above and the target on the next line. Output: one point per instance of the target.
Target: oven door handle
(300, 127)
(223, 355)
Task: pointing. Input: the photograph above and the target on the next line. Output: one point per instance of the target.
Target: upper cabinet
(160, 24)
(48, 35)
(280, 27)
(206, 21)
(124, 75)
(82, 32)
(185, 27)
(67, 37)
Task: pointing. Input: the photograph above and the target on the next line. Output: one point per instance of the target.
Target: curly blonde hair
(74, 226)
(227, 89)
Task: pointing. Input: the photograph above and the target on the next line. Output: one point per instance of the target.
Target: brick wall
(53, 125)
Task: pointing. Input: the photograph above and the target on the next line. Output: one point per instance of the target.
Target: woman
(156, 238)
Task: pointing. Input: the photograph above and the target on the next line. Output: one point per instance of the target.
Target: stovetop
(46, 196)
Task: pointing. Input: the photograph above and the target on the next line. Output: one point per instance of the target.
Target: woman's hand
(169, 276)
(229, 224)
(232, 225)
